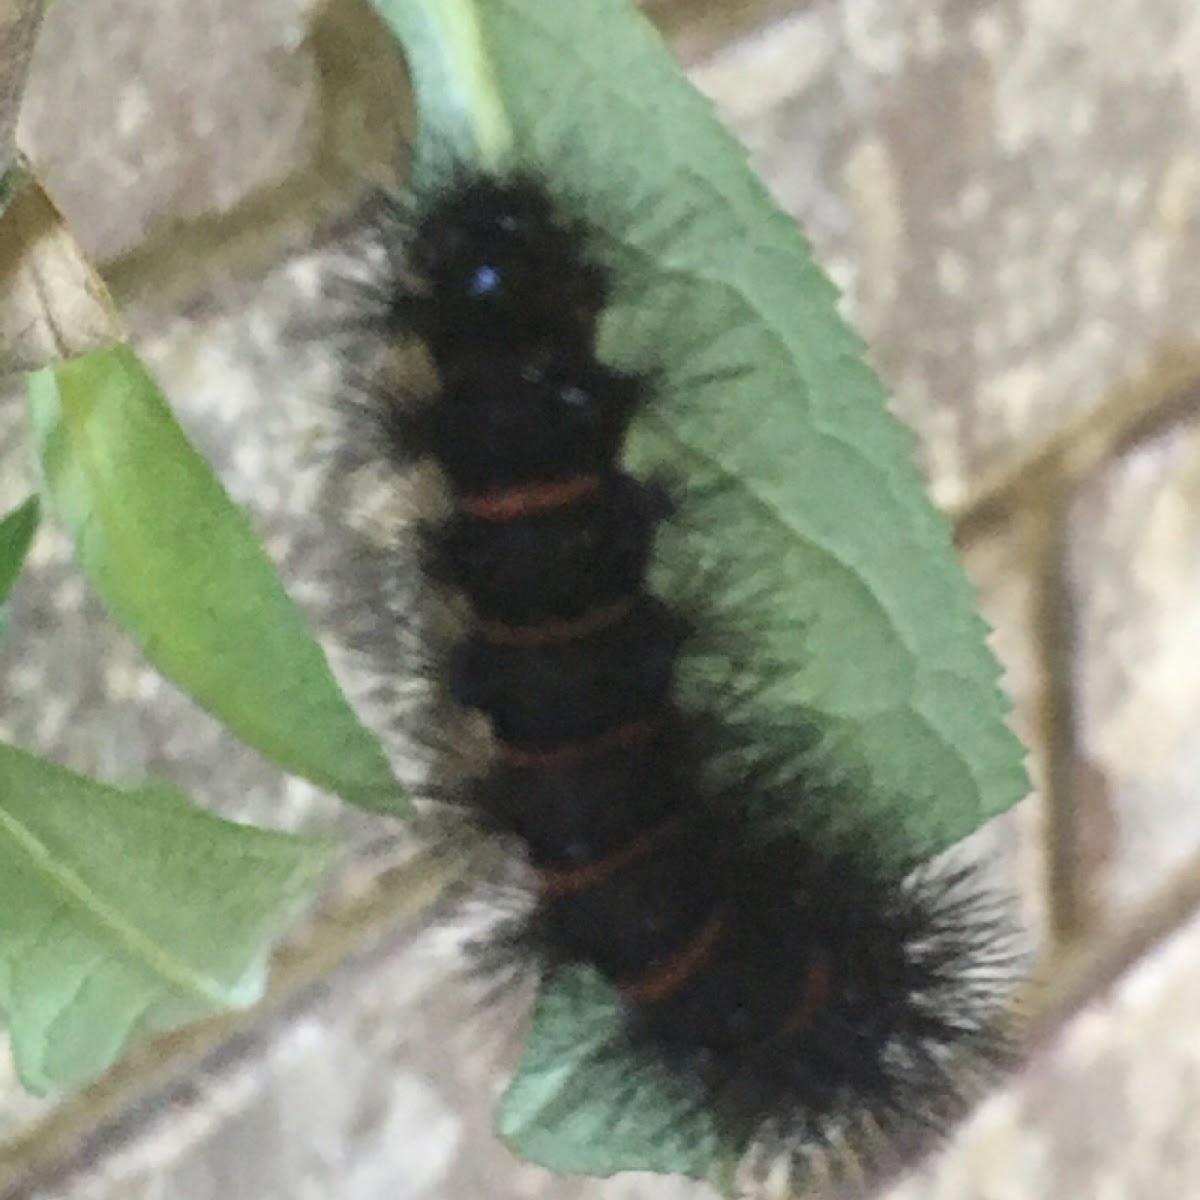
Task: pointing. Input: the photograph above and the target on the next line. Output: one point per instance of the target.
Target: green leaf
(179, 565)
(576, 1099)
(128, 911)
(457, 90)
(815, 520)
(16, 536)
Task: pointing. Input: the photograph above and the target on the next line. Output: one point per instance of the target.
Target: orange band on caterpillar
(548, 633)
(529, 500)
(573, 753)
(665, 980)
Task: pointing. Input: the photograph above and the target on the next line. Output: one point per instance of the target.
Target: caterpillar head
(500, 266)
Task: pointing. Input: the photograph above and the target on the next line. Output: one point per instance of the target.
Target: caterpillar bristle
(795, 976)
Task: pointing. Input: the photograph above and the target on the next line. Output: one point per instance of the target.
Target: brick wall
(1009, 193)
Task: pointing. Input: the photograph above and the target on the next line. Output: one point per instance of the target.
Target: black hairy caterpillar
(804, 985)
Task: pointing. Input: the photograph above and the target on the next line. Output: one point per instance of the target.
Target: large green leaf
(844, 568)
(827, 544)
(128, 911)
(178, 564)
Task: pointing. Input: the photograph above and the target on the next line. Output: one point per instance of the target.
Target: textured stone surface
(1135, 575)
(1012, 843)
(139, 112)
(1105, 1108)
(20, 21)
(1009, 193)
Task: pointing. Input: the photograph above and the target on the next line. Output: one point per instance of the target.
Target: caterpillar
(804, 982)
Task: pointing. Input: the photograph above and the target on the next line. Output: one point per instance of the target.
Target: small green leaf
(129, 911)
(16, 536)
(575, 1099)
(179, 565)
